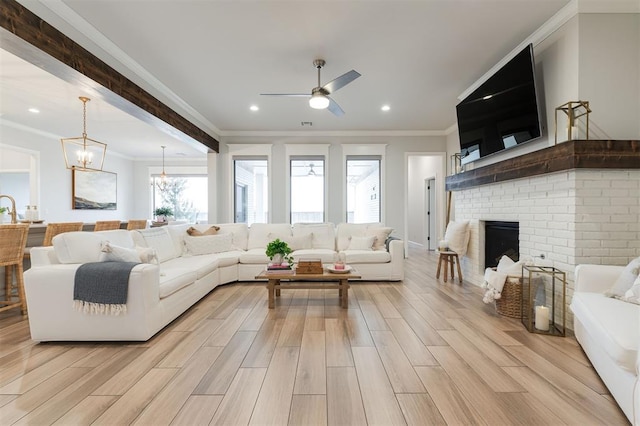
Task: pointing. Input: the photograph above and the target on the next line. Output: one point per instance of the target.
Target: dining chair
(13, 240)
(106, 225)
(54, 229)
(136, 224)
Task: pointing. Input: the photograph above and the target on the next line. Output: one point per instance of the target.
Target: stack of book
(278, 267)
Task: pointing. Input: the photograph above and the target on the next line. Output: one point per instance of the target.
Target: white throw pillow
(381, 234)
(208, 244)
(626, 279)
(457, 236)
(84, 247)
(361, 243)
(114, 253)
(160, 240)
(633, 294)
(507, 266)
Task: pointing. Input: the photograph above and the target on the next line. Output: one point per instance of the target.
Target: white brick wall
(572, 217)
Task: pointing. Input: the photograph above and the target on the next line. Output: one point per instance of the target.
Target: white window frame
(238, 151)
(308, 150)
(365, 150)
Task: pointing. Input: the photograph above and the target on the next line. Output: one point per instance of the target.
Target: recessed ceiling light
(487, 97)
(34, 110)
(254, 108)
(385, 107)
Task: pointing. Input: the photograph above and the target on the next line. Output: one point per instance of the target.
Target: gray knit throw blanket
(102, 287)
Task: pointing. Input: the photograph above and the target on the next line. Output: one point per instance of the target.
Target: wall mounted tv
(502, 112)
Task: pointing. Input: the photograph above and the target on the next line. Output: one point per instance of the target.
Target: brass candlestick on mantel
(573, 110)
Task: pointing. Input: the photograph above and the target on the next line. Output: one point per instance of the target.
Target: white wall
(55, 192)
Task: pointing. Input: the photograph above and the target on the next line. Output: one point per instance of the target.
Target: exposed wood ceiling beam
(26, 35)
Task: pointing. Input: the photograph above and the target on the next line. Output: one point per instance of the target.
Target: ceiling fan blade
(297, 95)
(335, 108)
(341, 81)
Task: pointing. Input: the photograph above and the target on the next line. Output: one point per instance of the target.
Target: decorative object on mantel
(573, 110)
(82, 152)
(544, 315)
(456, 163)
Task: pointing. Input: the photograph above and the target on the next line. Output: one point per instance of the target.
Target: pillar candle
(542, 318)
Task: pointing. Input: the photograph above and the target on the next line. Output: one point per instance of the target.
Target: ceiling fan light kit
(320, 94)
(318, 101)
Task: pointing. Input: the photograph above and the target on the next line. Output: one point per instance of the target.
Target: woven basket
(510, 304)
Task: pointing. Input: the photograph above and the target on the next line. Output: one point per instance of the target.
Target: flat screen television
(501, 113)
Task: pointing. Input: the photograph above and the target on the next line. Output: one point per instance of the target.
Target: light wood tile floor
(418, 352)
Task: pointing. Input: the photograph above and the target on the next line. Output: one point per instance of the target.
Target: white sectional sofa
(188, 269)
(608, 329)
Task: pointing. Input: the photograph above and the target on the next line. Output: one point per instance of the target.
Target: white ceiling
(210, 60)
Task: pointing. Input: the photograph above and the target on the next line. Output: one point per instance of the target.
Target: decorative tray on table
(346, 269)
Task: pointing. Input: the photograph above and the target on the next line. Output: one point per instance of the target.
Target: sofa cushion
(255, 256)
(239, 231)
(294, 242)
(229, 258)
(208, 244)
(365, 256)
(381, 233)
(113, 253)
(201, 265)
(345, 231)
(177, 233)
(161, 241)
(84, 247)
(361, 243)
(259, 234)
(325, 255)
(323, 234)
(175, 278)
(613, 323)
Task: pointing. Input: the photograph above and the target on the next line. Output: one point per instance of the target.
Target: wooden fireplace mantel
(577, 154)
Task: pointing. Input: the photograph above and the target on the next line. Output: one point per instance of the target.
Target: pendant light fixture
(83, 153)
(162, 182)
(311, 171)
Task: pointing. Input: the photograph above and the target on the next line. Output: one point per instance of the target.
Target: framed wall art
(94, 190)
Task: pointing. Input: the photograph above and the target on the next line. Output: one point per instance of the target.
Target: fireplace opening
(500, 238)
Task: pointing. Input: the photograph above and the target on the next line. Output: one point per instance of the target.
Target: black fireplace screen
(500, 238)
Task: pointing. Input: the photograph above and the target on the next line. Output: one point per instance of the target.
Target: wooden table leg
(459, 271)
(278, 289)
(344, 293)
(270, 287)
(439, 266)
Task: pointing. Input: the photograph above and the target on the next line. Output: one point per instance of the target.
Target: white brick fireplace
(572, 217)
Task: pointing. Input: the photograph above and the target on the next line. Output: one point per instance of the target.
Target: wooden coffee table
(313, 281)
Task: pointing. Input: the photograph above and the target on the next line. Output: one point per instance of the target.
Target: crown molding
(334, 133)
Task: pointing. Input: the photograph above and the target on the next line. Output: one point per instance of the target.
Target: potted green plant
(279, 252)
(162, 213)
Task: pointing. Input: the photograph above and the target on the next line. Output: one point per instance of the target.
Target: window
(307, 189)
(251, 191)
(363, 189)
(185, 195)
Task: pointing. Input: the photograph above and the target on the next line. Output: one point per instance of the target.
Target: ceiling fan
(320, 94)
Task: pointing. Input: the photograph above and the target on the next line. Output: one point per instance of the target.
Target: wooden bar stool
(54, 229)
(13, 240)
(449, 258)
(136, 224)
(106, 225)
